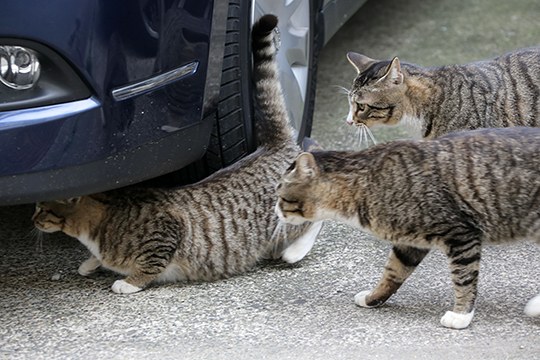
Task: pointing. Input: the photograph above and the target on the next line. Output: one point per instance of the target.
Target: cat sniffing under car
(217, 228)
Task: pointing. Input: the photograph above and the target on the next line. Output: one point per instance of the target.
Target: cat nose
(350, 119)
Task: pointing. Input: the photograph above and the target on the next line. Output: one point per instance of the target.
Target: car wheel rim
(294, 53)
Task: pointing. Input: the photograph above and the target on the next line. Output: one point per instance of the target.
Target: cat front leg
(401, 263)
(124, 286)
(464, 266)
(150, 262)
(88, 266)
(133, 283)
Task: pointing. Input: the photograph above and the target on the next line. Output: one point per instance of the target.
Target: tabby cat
(502, 92)
(454, 193)
(216, 228)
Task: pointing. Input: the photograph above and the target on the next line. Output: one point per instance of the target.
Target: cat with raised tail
(219, 227)
(454, 193)
(434, 101)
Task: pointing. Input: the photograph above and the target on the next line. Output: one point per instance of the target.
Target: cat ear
(393, 73)
(306, 165)
(70, 201)
(359, 61)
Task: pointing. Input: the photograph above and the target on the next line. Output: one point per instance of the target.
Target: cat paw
(292, 256)
(360, 298)
(88, 267)
(301, 246)
(123, 287)
(533, 306)
(455, 320)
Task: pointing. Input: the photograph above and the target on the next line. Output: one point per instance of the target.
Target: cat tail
(272, 118)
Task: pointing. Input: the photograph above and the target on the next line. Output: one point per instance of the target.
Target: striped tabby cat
(501, 92)
(217, 228)
(454, 193)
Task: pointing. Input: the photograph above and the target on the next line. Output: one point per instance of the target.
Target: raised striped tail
(272, 119)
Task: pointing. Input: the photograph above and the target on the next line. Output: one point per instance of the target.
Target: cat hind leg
(464, 267)
(301, 246)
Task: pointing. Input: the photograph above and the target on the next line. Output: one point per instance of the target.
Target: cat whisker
(277, 230)
(343, 90)
(357, 137)
(38, 237)
(362, 136)
(277, 235)
(368, 132)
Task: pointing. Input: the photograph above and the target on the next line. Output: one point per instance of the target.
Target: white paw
(456, 320)
(533, 306)
(89, 266)
(301, 246)
(360, 298)
(292, 255)
(123, 287)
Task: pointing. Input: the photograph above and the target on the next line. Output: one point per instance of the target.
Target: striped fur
(502, 92)
(454, 193)
(217, 228)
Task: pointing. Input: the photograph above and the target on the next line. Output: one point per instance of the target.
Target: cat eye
(380, 107)
(290, 201)
(361, 107)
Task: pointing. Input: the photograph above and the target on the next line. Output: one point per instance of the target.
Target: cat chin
(292, 220)
(47, 231)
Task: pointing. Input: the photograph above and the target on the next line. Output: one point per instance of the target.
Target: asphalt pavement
(303, 311)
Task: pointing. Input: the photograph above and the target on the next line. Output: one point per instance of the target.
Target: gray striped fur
(219, 227)
(454, 193)
(501, 92)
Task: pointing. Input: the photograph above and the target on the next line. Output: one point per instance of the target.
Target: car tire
(232, 135)
(233, 132)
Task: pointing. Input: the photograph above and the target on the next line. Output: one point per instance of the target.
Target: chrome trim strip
(129, 91)
(218, 35)
(16, 118)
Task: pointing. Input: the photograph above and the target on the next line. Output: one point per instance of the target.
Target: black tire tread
(228, 138)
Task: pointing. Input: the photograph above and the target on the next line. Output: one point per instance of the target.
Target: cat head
(74, 217)
(50, 216)
(377, 92)
(299, 191)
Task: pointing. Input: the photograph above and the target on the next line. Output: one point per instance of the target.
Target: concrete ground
(304, 311)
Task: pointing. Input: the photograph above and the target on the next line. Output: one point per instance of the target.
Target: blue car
(96, 95)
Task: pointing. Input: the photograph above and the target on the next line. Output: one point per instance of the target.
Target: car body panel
(336, 13)
(110, 44)
(88, 139)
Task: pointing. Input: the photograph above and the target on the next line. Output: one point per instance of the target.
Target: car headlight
(32, 75)
(19, 67)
